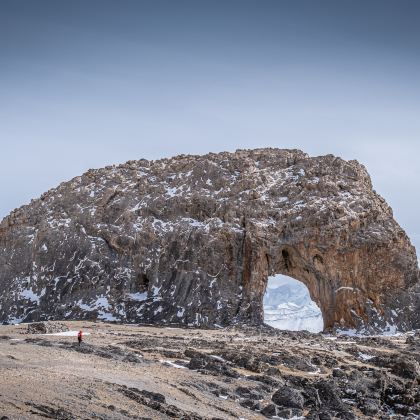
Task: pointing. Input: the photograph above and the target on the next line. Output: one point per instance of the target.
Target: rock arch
(356, 288)
(331, 296)
(291, 263)
(191, 240)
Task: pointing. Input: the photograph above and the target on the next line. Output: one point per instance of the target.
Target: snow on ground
(101, 305)
(67, 334)
(365, 356)
(138, 296)
(30, 295)
(364, 333)
(172, 364)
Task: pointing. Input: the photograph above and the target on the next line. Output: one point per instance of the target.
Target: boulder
(46, 327)
(269, 411)
(288, 397)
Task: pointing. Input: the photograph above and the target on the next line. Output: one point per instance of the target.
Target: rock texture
(46, 327)
(191, 240)
(149, 372)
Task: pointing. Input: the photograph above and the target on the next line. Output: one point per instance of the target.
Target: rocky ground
(143, 372)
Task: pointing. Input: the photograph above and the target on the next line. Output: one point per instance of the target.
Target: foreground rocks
(46, 327)
(191, 241)
(129, 372)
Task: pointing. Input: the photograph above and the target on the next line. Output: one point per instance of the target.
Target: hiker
(79, 337)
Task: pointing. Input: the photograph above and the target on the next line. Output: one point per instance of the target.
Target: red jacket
(79, 335)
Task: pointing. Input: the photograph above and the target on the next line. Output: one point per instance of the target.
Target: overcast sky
(84, 84)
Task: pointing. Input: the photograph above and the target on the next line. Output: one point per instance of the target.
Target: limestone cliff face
(191, 240)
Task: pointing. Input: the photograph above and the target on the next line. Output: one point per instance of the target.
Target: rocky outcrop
(191, 240)
(47, 328)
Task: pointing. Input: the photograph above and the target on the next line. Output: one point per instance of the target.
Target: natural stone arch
(290, 263)
(287, 260)
(339, 280)
(311, 269)
(191, 240)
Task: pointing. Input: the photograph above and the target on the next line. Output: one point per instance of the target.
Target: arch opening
(288, 305)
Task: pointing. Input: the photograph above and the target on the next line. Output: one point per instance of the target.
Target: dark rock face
(191, 240)
(209, 364)
(157, 402)
(288, 397)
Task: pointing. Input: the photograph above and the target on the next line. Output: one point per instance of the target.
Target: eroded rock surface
(191, 240)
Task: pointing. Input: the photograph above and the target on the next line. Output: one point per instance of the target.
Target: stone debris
(132, 372)
(46, 327)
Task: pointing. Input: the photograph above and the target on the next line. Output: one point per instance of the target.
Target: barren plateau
(144, 372)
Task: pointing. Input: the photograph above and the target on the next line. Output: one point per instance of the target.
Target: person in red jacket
(79, 337)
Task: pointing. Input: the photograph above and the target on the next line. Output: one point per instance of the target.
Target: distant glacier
(288, 306)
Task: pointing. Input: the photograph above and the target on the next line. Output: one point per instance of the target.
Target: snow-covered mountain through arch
(288, 306)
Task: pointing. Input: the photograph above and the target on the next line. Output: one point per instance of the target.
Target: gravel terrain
(144, 372)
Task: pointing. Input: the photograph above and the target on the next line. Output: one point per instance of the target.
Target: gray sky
(281, 280)
(84, 84)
